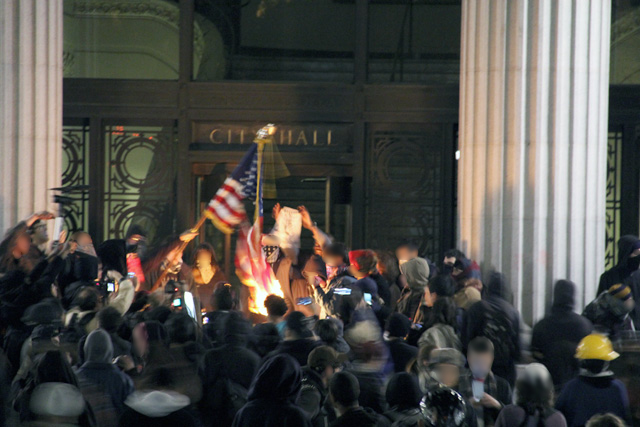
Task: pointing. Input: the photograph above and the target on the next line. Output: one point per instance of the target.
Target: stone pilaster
(30, 106)
(533, 132)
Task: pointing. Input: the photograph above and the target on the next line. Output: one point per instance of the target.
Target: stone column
(533, 141)
(30, 106)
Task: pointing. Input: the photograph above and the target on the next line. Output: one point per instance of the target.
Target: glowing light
(259, 293)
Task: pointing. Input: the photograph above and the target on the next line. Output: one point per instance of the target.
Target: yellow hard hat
(596, 346)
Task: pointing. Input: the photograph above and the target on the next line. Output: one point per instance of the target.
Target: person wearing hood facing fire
(556, 337)
(273, 395)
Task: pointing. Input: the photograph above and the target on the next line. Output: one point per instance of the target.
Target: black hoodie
(493, 306)
(555, 338)
(273, 396)
(625, 267)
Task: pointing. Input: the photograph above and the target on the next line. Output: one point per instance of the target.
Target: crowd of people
(103, 337)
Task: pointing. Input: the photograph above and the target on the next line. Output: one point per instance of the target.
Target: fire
(259, 293)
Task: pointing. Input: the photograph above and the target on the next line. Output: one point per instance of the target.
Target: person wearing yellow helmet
(596, 390)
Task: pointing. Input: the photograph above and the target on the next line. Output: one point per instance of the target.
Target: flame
(260, 293)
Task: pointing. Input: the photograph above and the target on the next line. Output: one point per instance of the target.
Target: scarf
(272, 253)
(333, 272)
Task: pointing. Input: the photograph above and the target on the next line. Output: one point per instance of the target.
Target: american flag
(226, 209)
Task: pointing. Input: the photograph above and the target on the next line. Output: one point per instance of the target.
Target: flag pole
(261, 136)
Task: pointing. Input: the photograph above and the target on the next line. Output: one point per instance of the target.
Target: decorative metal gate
(409, 174)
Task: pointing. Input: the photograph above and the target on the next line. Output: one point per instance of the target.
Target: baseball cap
(323, 356)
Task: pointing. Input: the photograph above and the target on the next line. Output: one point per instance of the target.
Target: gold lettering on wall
(295, 135)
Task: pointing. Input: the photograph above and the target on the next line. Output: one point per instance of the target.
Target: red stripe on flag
(224, 203)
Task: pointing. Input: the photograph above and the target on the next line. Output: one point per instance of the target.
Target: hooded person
(158, 406)
(231, 366)
(628, 263)
(495, 318)
(403, 397)
(299, 340)
(273, 395)
(416, 271)
(397, 329)
(103, 385)
(556, 337)
(56, 405)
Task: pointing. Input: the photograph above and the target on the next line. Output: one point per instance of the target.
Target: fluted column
(30, 106)
(533, 128)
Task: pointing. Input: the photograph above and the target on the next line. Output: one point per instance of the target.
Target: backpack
(230, 397)
(498, 328)
(404, 419)
(73, 333)
(541, 417)
(606, 310)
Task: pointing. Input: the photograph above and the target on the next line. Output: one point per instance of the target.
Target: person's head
(440, 286)
(594, 353)
(446, 365)
(236, 329)
(16, 244)
(82, 238)
(362, 263)
(417, 273)
(327, 330)
(444, 312)
(335, 255)
(279, 378)
(467, 297)
(271, 247)
(135, 235)
(325, 361)
(451, 256)
(204, 256)
(39, 233)
(403, 391)
(181, 328)
(223, 298)
(296, 326)
(344, 391)
(88, 299)
(276, 307)
(387, 266)
(98, 347)
(424, 355)
(113, 256)
(109, 319)
(405, 251)
(623, 293)
(398, 326)
(534, 389)
(147, 334)
(480, 353)
(264, 338)
(605, 420)
(167, 255)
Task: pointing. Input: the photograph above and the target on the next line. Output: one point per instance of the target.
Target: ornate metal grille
(140, 177)
(75, 172)
(404, 188)
(614, 195)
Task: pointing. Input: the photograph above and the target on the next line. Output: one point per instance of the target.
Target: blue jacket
(583, 397)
